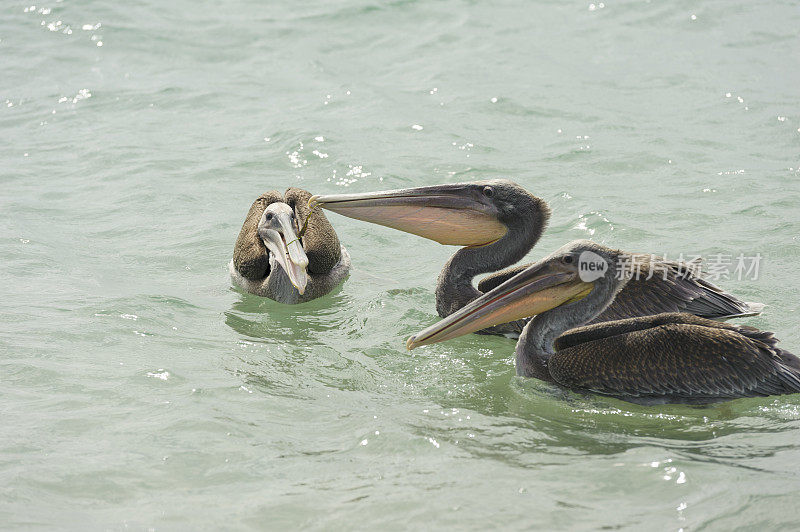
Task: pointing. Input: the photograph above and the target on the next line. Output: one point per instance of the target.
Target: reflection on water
(259, 318)
(506, 417)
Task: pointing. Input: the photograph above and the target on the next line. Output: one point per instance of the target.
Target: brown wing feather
(320, 241)
(596, 331)
(678, 362)
(671, 287)
(250, 255)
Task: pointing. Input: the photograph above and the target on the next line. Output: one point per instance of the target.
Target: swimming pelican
(499, 222)
(664, 358)
(271, 259)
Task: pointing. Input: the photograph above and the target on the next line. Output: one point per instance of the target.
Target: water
(139, 390)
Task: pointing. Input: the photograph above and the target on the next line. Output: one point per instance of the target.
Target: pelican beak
(449, 214)
(285, 245)
(539, 288)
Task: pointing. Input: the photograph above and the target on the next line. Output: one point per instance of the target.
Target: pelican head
(460, 214)
(277, 228)
(563, 278)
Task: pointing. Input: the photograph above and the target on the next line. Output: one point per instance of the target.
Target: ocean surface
(140, 391)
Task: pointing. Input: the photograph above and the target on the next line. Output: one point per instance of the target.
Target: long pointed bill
(448, 214)
(288, 251)
(534, 290)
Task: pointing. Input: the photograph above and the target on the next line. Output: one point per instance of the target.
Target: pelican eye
(488, 192)
(567, 260)
(269, 216)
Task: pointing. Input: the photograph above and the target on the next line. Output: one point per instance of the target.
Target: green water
(138, 390)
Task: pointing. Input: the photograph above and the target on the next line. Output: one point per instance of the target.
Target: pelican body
(664, 358)
(498, 222)
(271, 259)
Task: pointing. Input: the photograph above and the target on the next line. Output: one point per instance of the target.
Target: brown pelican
(273, 258)
(664, 358)
(498, 222)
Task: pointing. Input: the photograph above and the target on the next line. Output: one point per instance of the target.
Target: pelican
(273, 258)
(658, 359)
(498, 222)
